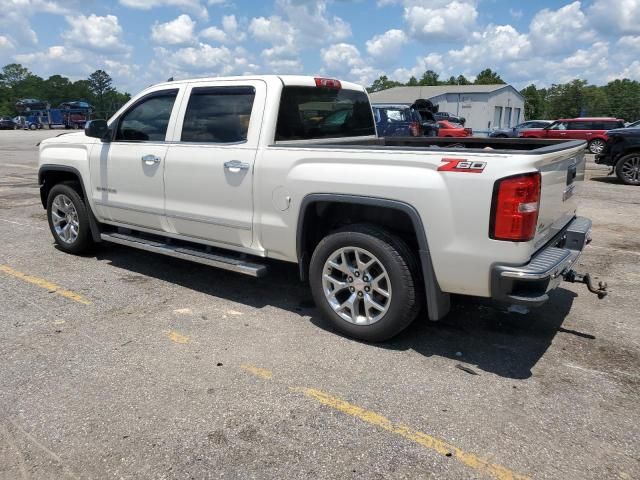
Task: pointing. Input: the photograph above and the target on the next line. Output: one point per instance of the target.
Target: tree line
(618, 98)
(17, 82)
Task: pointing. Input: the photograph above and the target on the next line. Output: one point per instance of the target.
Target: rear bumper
(531, 283)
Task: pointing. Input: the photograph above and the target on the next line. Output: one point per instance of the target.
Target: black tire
(83, 241)
(596, 145)
(628, 169)
(402, 269)
(500, 136)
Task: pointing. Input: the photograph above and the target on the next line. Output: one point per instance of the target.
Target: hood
(624, 132)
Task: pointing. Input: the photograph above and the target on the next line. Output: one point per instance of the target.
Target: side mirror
(97, 129)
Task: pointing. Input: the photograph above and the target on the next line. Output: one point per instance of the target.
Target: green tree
(534, 102)
(413, 82)
(623, 97)
(100, 85)
(382, 83)
(13, 74)
(566, 100)
(462, 80)
(452, 81)
(488, 77)
(429, 78)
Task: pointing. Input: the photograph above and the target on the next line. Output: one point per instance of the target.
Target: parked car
(397, 121)
(30, 105)
(450, 129)
(450, 117)
(362, 216)
(593, 130)
(634, 124)
(7, 123)
(622, 154)
(514, 132)
(76, 105)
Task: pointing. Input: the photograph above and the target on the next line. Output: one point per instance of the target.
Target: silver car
(514, 131)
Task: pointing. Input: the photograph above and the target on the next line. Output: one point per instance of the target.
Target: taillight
(414, 128)
(328, 83)
(514, 209)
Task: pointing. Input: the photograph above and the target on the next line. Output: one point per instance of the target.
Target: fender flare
(94, 226)
(438, 302)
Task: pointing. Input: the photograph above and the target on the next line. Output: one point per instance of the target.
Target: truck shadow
(476, 334)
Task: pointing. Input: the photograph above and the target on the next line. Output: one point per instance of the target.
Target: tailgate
(561, 176)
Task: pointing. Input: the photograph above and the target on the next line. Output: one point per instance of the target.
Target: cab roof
(287, 80)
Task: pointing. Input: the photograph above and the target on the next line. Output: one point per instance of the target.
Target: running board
(230, 262)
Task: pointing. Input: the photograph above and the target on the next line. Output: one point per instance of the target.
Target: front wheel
(68, 219)
(365, 281)
(596, 146)
(628, 169)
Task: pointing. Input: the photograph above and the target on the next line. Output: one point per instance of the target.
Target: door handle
(150, 159)
(235, 166)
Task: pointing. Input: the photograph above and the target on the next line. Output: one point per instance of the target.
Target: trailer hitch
(574, 277)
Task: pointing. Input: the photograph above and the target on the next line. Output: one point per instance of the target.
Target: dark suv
(622, 153)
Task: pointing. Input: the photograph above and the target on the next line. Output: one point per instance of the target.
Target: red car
(593, 130)
(450, 129)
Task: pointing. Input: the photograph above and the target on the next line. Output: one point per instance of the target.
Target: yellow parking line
(176, 337)
(47, 285)
(440, 446)
(257, 371)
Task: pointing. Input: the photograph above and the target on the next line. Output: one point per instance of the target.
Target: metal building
(483, 106)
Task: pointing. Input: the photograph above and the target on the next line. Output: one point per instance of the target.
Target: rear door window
(582, 126)
(218, 115)
(311, 112)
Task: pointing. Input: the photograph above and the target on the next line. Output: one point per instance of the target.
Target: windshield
(310, 112)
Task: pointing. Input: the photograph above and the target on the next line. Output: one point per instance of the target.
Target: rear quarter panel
(454, 207)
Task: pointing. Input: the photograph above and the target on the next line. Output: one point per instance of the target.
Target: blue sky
(140, 42)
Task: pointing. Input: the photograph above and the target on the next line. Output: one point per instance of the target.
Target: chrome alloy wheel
(596, 146)
(356, 285)
(65, 218)
(631, 169)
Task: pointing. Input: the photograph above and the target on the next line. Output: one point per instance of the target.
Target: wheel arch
(438, 302)
(50, 175)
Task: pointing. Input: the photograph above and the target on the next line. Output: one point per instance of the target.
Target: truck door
(127, 173)
(209, 169)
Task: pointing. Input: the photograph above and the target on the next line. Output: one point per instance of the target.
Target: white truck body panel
(189, 193)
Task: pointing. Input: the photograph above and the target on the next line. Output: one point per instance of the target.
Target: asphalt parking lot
(122, 364)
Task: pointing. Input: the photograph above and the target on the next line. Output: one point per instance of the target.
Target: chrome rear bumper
(530, 284)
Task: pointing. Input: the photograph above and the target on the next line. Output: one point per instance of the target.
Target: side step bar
(230, 262)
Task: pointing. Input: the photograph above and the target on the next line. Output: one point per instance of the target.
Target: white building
(483, 106)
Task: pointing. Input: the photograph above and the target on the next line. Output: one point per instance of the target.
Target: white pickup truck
(230, 172)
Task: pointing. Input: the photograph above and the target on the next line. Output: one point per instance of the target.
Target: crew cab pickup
(231, 172)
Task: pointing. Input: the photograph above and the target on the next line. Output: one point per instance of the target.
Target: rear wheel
(628, 169)
(68, 219)
(596, 145)
(365, 281)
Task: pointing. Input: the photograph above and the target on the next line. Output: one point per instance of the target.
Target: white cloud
(57, 53)
(386, 47)
(439, 19)
(433, 61)
(314, 24)
(621, 17)
(274, 30)
(192, 6)
(214, 34)
(231, 27)
(96, 33)
(6, 43)
(175, 32)
(344, 61)
(555, 32)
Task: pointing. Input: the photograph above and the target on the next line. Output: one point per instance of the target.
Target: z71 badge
(461, 165)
